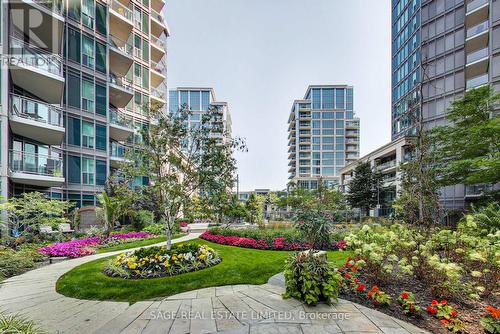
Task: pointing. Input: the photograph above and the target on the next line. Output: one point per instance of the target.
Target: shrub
(447, 315)
(13, 263)
(314, 227)
(379, 297)
(491, 322)
(156, 229)
(142, 218)
(160, 262)
(15, 323)
(311, 278)
(407, 302)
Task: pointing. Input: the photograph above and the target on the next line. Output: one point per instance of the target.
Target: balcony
(352, 124)
(477, 63)
(36, 120)
(50, 21)
(158, 95)
(158, 48)
(35, 169)
(386, 165)
(36, 71)
(476, 12)
(352, 133)
(477, 190)
(352, 140)
(477, 81)
(120, 90)
(117, 154)
(121, 20)
(158, 73)
(120, 55)
(157, 5)
(120, 126)
(158, 25)
(477, 37)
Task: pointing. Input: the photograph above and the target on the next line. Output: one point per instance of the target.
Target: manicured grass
(138, 243)
(238, 266)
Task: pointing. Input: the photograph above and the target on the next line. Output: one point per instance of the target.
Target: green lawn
(238, 266)
(138, 243)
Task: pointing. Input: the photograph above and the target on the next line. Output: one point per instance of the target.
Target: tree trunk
(168, 230)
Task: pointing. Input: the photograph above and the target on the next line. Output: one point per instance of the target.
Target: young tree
(29, 211)
(111, 207)
(467, 150)
(179, 162)
(363, 188)
(255, 207)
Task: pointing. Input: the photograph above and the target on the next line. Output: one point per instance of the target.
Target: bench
(65, 228)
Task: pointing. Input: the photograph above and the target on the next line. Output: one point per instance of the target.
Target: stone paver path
(227, 309)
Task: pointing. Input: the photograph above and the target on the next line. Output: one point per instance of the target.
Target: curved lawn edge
(238, 266)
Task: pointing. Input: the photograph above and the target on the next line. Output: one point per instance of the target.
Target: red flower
(354, 269)
(404, 295)
(348, 259)
(370, 294)
(443, 302)
(347, 276)
(431, 310)
(495, 312)
(454, 313)
(444, 321)
(434, 302)
(355, 280)
(360, 287)
(375, 288)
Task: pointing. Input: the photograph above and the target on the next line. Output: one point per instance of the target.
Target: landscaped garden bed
(87, 246)
(277, 239)
(439, 279)
(160, 262)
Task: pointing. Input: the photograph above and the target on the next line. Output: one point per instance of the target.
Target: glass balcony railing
(118, 118)
(159, 67)
(477, 189)
(123, 46)
(35, 163)
(352, 124)
(56, 6)
(157, 93)
(477, 81)
(120, 81)
(352, 140)
(24, 54)
(35, 110)
(117, 150)
(157, 16)
(158, 41)
(477, 55)
(386, 165)
(121, 9)
(474, 4)
(477, 29)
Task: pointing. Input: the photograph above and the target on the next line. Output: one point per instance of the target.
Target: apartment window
(137, 74)
(327, 124)
(137, 46)
(327, 99)
(100, 171)
(88, 134)
(316, 115)
(316, 98)
(138, 18)
(145, 50)
(145, 22)
(88, 96)
(138, 102)
(349, 99)
(88, 171)
(74, 169)
(101, 102)
(328, 115)
(88, 13)
(173, 101)
(205, 100)
(100, 137)
(339, 98)
(328, 171)
(100, 21)
(194, 99)
(184, 99)
(339, 124)
(327, 140)
(328, 132)
(100, 57)
(88, 51)
(145, 78)
(74, 10)
(73, 131)
(316, 124)
(74, 47)
(73, 90)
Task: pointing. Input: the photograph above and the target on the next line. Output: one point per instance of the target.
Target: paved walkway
(228, 309)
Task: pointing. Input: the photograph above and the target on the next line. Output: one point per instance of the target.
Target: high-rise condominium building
(323, 135)
(80, 79)
(449, 46)
(199, 101)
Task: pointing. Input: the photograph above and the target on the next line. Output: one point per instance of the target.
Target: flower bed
(276, 243)
(160, 262)
(87, 246)
(439, 279)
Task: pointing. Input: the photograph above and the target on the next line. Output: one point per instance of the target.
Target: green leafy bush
(311, 278)
(13, 263)
(314, 227)
(156, 229)
(142, 218)
(14, 323)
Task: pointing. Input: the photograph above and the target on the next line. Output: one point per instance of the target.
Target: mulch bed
(469, 312)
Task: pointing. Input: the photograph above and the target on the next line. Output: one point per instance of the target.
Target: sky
(260, 55)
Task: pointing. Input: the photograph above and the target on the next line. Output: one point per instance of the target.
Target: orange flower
(375, 288)
(444, 321)
(495, 312)
(370, 294)
(354, 269)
